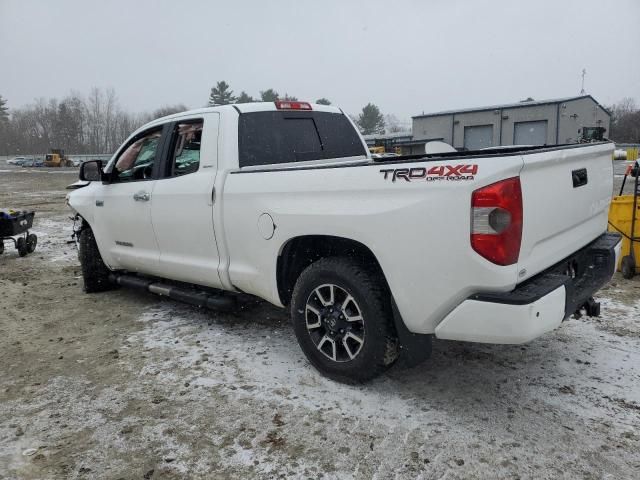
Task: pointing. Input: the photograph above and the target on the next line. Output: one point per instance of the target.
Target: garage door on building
(478, 136)
(530, 133)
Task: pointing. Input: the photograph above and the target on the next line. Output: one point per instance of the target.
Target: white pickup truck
(372, 257)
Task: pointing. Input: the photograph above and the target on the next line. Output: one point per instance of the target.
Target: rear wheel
(628, 266)
(342, 319)
(94, 271)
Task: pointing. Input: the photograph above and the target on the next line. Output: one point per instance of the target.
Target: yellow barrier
(620, 216)
(632, 153)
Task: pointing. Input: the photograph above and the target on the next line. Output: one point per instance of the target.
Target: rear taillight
(496, 221)
(287, 105)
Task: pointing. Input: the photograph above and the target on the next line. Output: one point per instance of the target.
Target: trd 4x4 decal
(440, 172)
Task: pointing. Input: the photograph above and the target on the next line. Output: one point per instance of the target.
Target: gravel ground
(128, 385)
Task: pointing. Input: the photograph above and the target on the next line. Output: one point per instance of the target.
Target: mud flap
(413, 348)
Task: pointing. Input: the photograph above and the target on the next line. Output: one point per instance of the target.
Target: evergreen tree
(323, 101)
(371, 120)
(221, 95)
(269, 95)
(4, 110)
(244, 97)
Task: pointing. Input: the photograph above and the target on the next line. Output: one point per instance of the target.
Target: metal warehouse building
(547, 122)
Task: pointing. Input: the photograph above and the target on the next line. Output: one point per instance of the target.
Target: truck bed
(487, 152)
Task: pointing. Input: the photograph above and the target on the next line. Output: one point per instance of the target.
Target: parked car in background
(16, 161)
(32, 162)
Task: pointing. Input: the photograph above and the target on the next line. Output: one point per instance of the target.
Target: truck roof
(243, 108)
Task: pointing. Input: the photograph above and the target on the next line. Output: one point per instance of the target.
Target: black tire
(21, 245)
(628, 267)
(32, 241)
(1, 247)
(378, 349)
(94, 272)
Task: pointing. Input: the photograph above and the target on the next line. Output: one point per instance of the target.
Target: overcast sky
(405, 56)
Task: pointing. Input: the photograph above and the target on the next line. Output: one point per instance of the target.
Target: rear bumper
(538, 305)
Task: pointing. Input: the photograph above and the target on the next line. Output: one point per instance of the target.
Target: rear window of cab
(268, 138)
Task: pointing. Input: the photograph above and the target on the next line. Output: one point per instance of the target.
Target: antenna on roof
(584, 72)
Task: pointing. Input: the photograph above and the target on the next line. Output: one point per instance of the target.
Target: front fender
(83, 202)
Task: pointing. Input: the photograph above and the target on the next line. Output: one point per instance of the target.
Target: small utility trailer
(14, 227)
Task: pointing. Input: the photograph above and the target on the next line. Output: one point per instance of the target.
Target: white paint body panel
(182, 216)
(558, 218)
(418, 231)
(123, 228)
(489, 322)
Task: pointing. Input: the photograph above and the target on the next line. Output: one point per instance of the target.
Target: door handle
(141, 197)
(579, 177)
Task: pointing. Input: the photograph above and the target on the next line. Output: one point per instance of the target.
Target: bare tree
(110, 106)
(94, 110)
(77, 124)
(168, 110)
(625, 121)
(392, 124)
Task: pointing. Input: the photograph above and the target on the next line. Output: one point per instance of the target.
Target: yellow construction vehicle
(57, 158)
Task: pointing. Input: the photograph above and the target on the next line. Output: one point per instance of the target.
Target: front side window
(185, 156)
(137, 160)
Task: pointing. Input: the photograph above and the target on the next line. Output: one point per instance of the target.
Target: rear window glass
(266, 138)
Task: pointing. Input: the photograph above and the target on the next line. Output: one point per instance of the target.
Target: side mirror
(91, 171)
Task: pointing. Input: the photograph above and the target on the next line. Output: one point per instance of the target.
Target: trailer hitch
(591, 308)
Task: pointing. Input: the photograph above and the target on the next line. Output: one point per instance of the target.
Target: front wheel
(342, 318)
(94, 272)
(32, 241)
(21, 245)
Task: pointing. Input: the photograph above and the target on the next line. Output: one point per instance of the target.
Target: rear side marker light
(496, 221)
(286, 105)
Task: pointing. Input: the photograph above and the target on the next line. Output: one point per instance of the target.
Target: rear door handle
(141, 197)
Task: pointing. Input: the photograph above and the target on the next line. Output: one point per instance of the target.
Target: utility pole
(584, 72)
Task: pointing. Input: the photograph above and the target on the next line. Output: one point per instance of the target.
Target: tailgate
(565, 195)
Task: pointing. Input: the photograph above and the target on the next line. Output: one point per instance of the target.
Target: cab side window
(185, 150)
(137, 160)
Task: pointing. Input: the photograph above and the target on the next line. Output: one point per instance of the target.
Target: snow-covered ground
(129, 385)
